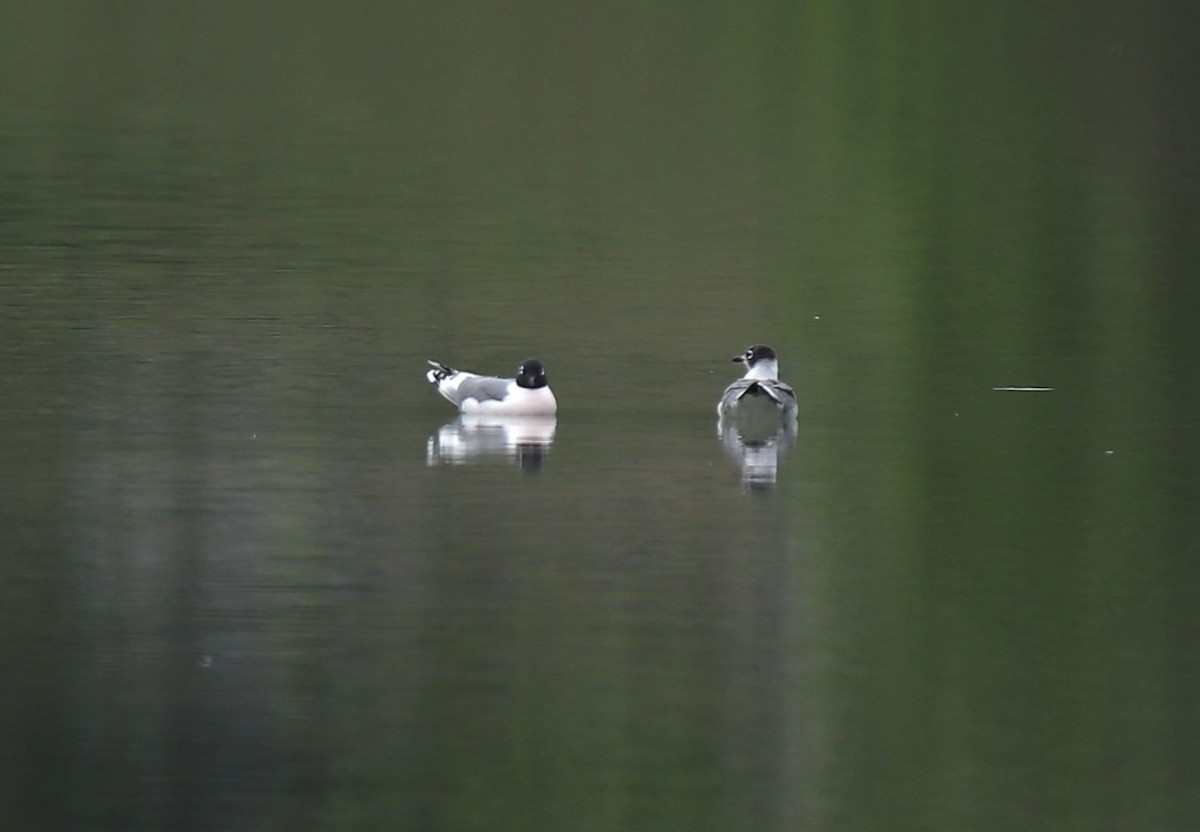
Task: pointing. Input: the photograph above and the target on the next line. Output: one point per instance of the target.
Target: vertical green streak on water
(1013, 649)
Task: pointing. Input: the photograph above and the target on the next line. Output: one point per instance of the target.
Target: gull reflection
(524, 440)
(757, 445)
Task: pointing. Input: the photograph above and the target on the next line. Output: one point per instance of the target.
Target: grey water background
(236, 592)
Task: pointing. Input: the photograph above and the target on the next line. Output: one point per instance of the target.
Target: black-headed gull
(760, 385)
(528, 394)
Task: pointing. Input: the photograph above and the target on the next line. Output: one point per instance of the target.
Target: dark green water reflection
(238, 591)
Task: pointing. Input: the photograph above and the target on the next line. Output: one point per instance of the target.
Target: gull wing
(481, 388)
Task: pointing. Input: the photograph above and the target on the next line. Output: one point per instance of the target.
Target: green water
(241, 587)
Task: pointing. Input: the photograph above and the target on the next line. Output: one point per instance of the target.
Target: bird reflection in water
(757, 442)
(523, 440)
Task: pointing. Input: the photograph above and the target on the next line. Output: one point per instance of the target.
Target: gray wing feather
(482, 389)
(782, 394)
(735, 391)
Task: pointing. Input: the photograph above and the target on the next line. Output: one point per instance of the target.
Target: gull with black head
(760, 387)
(528, 394)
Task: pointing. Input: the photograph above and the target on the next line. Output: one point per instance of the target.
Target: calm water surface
(255, 574)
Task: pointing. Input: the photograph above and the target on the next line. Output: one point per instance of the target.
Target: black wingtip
(439, 371)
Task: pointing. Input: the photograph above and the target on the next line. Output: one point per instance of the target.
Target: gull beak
(739, 359)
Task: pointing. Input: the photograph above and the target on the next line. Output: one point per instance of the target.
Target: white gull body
(528, 394)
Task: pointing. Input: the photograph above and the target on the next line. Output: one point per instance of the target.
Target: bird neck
(763, 370)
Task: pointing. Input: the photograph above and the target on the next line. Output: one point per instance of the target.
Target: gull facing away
(760, 388)
(528, 394)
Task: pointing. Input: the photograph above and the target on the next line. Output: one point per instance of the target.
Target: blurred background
(254, 575)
